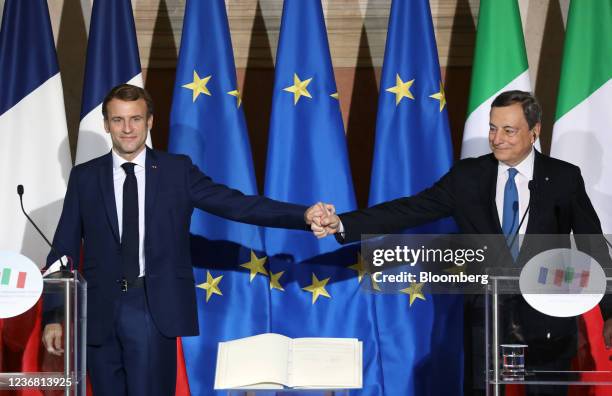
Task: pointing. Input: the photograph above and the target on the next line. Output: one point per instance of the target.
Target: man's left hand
(315, 215)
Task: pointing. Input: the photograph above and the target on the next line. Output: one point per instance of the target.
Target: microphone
(20, 192)
(515, 209)
(532, 185)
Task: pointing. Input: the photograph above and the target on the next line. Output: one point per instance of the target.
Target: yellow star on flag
(401, 89)
(414, 291)
(456, 269)
(358, 267)
(256, 266)
(198, 85)
(298, 88)
(375, 285)
(441, 96)
(211, 285)
(335, 95)
(238, 95)
(274, 280)
(317, 288)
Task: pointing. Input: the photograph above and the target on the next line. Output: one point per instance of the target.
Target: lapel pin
(546, 178)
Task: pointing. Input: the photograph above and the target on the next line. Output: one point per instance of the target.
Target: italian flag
(500, 64)
(582, 132)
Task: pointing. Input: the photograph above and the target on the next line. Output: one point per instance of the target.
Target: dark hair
(531, 108)
(128, 93)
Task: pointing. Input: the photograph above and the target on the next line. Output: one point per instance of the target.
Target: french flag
(34, 151)
(112, 59)
(34, 148)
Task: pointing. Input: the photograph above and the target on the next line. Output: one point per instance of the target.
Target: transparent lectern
(24, 361)
(522, 350)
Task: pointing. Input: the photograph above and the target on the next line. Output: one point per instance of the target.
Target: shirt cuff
(341, 229)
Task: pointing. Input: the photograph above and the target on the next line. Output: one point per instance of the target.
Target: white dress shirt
(522, 178)
(118, 179)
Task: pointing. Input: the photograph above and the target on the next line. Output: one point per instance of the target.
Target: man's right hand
(52, 339)
(323, 219)
(331, 223)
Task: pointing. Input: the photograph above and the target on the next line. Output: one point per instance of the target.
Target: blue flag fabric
(207, 123)
(31, 43)
(307, 156)
(319, 293)
(112, 59)
(420, 337)
(112, 51)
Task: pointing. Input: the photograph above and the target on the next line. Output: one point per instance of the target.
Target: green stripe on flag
(6, 276)
(500, 54)
(587, 52)
(569, 275)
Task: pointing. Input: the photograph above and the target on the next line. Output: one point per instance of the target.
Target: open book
(273, 361)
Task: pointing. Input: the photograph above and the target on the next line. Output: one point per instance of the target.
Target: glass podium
(528, 348)
(25, 363)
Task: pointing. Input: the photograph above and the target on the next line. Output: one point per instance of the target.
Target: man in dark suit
(131, 209)
(490, 195)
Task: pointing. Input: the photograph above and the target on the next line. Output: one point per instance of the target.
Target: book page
(326, 363)
(258, 361)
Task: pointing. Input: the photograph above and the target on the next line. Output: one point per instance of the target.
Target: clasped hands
(322, 219)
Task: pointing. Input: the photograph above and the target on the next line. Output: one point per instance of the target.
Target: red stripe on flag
(182, 384)
(592, 355)
(558, 277)
(21, 279)
(584, 278)
(21, 338)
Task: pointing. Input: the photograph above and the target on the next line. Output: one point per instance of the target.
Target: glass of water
(513, 362)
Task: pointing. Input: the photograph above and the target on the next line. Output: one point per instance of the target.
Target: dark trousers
(137, 359)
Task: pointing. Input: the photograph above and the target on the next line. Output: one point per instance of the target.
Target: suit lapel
(105, 178)
(151, 183)
(540, 178)
(489, 187)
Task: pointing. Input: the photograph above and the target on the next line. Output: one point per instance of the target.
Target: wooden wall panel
(256, 23)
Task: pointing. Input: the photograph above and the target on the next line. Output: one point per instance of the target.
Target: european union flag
(420, 336)
(318, 285)
(207, 123)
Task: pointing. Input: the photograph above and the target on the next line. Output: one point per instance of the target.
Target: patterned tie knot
(128, 167)
(511, 173)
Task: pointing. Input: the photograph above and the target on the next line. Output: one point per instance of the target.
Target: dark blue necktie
(129, 233)
(510, 221)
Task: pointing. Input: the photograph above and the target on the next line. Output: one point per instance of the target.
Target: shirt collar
(525, 167)
(139, 160)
